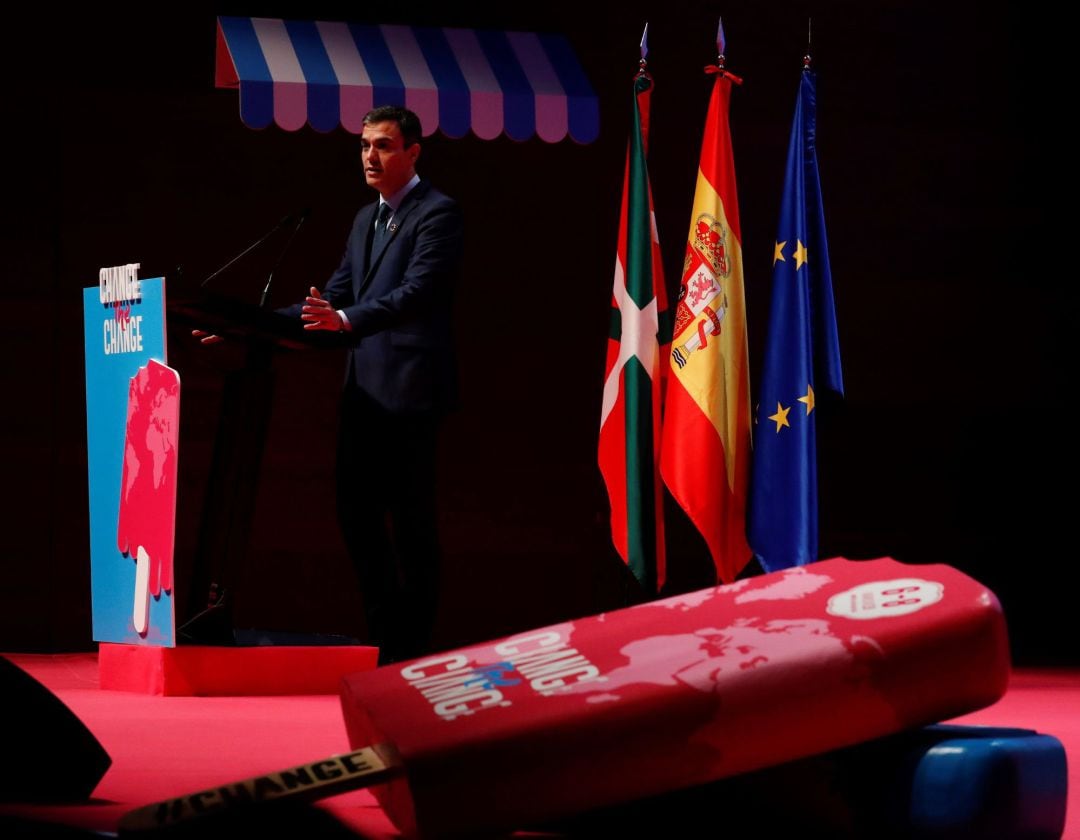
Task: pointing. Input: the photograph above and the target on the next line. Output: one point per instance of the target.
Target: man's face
(388, 165)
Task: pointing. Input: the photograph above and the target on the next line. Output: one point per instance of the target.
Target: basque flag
(630, 415)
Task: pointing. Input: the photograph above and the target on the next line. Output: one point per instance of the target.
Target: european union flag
(802, 357)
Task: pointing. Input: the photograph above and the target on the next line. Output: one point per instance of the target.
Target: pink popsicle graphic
(146, 523)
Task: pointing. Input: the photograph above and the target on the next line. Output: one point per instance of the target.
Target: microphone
(270, 279)
(284, 221)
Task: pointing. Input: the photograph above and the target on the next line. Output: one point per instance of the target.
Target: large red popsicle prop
(676, 692)
(652, 698)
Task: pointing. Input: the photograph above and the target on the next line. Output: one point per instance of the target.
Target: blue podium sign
(132, 425)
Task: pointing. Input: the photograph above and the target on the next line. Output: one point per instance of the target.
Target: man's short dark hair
(406, 120)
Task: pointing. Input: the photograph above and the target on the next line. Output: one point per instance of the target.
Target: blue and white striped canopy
(326, 74)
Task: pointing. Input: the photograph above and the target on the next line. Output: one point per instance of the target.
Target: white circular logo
(885, 598)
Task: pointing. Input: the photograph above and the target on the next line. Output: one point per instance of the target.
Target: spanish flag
(705, 447)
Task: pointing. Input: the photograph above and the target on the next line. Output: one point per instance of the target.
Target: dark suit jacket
(398, 301)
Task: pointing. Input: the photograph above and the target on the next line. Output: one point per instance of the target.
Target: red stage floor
(167, 746)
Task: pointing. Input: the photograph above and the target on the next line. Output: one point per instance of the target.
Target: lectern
(246, 407)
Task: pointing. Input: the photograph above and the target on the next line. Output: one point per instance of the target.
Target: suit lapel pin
(392, 227)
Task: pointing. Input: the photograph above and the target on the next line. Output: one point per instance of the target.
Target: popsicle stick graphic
(146, 522)
(326, 777)
(140, 614)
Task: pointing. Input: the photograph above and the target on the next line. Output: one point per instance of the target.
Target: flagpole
(705, 449)
(629, 444)
(720, 44)
(801, 357)
(809, 32)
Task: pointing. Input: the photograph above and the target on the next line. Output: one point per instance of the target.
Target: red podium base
(206, 671)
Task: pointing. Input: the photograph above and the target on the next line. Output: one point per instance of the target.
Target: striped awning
(326, 74)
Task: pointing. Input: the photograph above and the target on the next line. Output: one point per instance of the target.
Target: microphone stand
(284, 221)
(270, 279)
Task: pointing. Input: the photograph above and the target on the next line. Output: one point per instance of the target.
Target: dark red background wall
(939, 170)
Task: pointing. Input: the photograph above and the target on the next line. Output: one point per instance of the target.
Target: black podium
(228, 507)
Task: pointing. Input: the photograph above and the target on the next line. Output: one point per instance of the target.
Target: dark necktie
(385, 212)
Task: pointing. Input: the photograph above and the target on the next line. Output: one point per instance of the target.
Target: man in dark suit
(391, 298)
